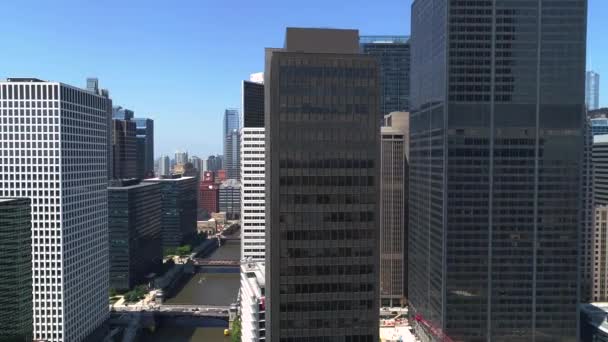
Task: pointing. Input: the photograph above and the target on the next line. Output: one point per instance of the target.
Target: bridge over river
(198, 307)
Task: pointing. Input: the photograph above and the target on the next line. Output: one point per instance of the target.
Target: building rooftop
(597, 313)
(384, 39)
(128, 184)
(10, 199)
(23, 79)
(257, 269)
(321, 40)
(230, 183)
(170, 179)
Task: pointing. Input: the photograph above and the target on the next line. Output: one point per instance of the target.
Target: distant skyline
(182, 64)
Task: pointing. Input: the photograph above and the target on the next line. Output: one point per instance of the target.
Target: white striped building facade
(53, 150)
(252, 193)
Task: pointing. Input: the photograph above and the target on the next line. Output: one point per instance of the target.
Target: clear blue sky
(181, 62)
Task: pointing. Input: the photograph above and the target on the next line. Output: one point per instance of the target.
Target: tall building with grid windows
(393, 55)
(394, 184)
(15, 269)
(322, 166)
(179, 196)
(145, 147)
(496, 147)
(54, 151)
(252, 172)
(592, 90)
(232, 145)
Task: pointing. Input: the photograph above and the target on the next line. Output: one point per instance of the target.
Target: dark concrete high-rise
(497, 112)
(587, 213)
(179, 202)
(393, 54)
(16, 269)
(322, 168)
(135, 232)
(253, 104)
(124, 149)
(394, 171)
(145, 147)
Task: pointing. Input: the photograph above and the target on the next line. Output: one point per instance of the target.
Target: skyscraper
(145, 147)
(229, 194)
(164, 166)
(208, 194)
(179, 201)
(197, 163)
(599, 238)
(214, 163)
(181, 157)
(322, 168)
(252, 172)
(135, 232)
(497, 107)
(16, 269)
(393, 208)
(124, 149)
(600, 169)
(232, 144)
(587, 214)
(56, 136)
(231, 121)
(393, 54)
(592, 90)
(252, 302)
(93, 84)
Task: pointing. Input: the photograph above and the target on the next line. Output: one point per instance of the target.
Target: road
(192, 310)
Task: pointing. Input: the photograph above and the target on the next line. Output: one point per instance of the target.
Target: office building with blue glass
(393, 55)
(497, 113)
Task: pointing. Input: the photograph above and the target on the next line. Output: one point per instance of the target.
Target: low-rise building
(253, 302)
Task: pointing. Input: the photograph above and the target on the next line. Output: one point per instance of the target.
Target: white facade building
(253, 201)
(253, 170)
(253, 302)
(53, 150)
(164, 166)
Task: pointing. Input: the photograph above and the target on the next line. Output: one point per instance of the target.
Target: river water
(186, 334)
(203, 289)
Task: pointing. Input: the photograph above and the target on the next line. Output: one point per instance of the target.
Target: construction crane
(433, 329)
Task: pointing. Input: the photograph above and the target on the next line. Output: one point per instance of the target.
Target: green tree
(113, 292)
(183, 250)
(235, 334)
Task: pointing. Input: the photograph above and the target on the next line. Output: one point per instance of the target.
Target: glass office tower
(145, 147)
(16, 269)
(592, 90)
(497, 106)
(135, 232)
(322, 167)
(393, 54)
